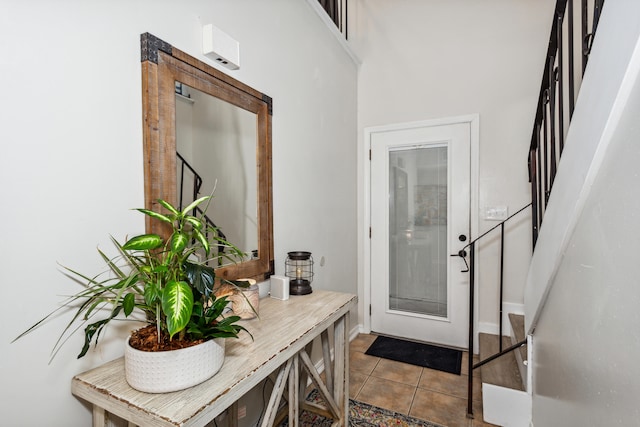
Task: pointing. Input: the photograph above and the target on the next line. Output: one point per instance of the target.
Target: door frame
(474, 123)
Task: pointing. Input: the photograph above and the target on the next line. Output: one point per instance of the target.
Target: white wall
(584, 271)
(443, 58)
(72, 164)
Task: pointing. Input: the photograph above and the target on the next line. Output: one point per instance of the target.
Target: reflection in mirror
(216, 146)
(223, 131)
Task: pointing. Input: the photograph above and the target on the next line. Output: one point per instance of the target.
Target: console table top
(282, 329)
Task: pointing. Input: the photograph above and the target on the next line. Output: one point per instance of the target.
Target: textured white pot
(165, 371)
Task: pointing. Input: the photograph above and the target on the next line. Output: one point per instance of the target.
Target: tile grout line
(361, 387)
(415, 391)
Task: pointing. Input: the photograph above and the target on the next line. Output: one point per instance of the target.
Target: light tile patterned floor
(412, 390)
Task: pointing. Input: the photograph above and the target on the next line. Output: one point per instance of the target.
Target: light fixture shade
(299, 270)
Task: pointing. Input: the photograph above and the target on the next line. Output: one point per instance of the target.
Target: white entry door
(420, 213)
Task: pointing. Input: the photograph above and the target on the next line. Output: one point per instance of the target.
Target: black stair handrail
(197, 180)
(197, 184)
(547, 140)
(556, 100)
(470, 268)
(501, 224)
(338, 13)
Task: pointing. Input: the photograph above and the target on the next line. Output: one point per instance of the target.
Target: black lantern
(299, 270)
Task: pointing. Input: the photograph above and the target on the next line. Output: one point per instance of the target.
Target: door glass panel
(418, 230)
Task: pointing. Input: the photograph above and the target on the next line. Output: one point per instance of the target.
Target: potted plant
(170, 283)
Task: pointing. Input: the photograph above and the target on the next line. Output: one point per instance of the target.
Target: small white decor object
(279, 287)
(166, 371)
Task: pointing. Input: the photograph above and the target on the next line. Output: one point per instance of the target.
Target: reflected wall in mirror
(216, 147)
(205, 130)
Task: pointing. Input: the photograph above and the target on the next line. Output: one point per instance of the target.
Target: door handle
(462, 254)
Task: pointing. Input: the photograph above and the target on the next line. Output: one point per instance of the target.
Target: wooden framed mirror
(205, 130)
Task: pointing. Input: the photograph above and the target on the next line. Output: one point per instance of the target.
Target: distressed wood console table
(282, 340)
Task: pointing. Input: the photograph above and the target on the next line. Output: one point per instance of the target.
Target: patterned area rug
(361, 415)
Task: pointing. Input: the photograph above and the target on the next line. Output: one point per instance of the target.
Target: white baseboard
(493, 328)
(358, 329)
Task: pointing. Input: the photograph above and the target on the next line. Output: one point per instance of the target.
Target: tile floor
(422, 393)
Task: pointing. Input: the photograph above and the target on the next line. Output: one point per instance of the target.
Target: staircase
(506, 387)
(505, 399)
(189, 184)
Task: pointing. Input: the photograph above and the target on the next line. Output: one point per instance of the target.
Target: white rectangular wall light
(220, 47)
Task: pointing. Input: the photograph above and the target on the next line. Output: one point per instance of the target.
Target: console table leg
(304, 377)
(99, 417)
(276, 394)
(294, 392)
(233, 415)
(326, 356)
(341, 367)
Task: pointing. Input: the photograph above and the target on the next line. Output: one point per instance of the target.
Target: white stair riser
(506, 407)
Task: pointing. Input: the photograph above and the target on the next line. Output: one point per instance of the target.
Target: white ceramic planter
(166, 371)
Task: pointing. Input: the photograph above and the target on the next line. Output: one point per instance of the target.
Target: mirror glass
(221, 128)
(216, 154)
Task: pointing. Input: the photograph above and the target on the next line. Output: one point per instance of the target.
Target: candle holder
(299, 270)
(246, 301)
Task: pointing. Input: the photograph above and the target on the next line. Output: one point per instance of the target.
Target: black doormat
(425, 355)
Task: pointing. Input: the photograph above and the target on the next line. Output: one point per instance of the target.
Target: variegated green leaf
(178, 242)
(189, 208)
(151, 293)
(168, 206)
(203, 240)
(155, 215)
(177, 305)
(195, 222)
(143, 242)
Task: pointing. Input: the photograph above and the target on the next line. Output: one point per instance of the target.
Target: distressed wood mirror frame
(162, 66)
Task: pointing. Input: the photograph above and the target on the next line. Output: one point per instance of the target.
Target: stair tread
(517, 326)
(502, 371)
